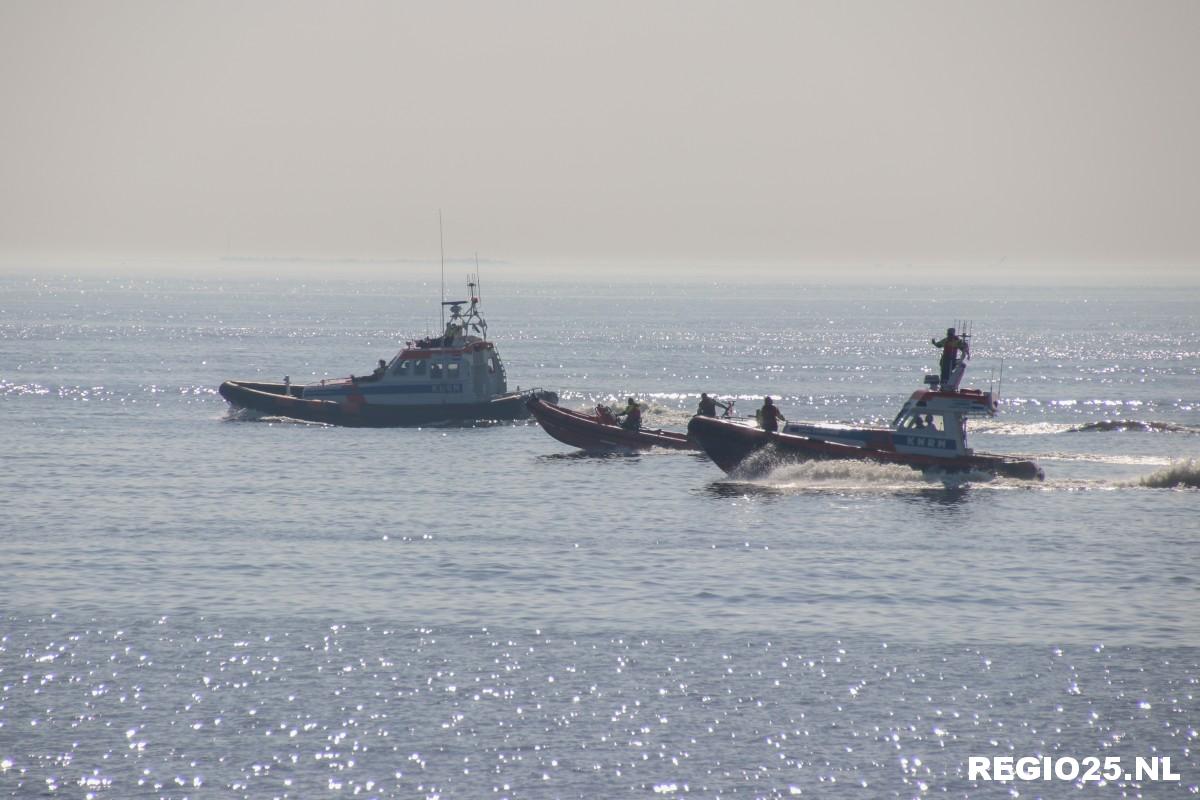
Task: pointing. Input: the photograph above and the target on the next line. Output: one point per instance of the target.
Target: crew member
(769, 416)
(708, 406)
(951, 346)
(632, 413)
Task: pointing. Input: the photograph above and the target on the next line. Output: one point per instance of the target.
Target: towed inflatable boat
(929, 433)
(456, 377)
(600, 431)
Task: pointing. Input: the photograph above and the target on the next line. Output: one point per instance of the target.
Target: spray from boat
(774, 476)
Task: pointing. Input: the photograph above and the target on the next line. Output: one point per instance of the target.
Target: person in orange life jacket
(951, 345)
(769, 416)
(632, 413)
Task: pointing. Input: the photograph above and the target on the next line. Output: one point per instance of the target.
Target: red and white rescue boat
(929, 433)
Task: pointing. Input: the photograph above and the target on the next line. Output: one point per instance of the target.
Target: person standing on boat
(632, 413)
(708, 406)
(770, 415)
(951, 345)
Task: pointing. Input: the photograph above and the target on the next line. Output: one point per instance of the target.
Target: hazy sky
(1039, 136)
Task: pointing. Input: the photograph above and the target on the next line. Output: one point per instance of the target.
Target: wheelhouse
(461, 365)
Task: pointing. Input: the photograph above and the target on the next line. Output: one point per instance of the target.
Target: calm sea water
(198, 604)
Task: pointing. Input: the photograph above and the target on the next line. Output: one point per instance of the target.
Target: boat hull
(730, 444)
(588, 433)
(283, 400)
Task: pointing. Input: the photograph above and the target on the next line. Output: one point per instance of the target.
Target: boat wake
(866, 476)
(1177, 475)
(591, 455)
(1151, 426)
(763, 470)
(1183, 474)
(668, 417)
(1100, 426)
(1021, 428)
(844, 474)
(1095, 458)
(238, 414)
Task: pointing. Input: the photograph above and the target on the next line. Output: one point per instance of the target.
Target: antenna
(478, 283)
(442, 247)
(1000, 383)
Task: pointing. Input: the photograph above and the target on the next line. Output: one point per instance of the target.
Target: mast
(442, 249)
(476, 287)
(478, 283)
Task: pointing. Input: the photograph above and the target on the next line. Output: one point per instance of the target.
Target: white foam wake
(1009, 428)
(1177, 475)
(239, 414)
(836, 475)
(1128, 460)
(845, 474)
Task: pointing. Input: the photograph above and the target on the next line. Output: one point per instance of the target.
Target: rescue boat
(929, 433)
(456, 377)
(600, 431)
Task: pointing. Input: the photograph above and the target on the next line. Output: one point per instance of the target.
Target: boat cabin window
(435, 370)
(400, 367)
(419, 367)
(491, 364)
(924, 422)
(452, 370)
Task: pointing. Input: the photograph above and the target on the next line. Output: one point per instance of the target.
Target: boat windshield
(924, 422)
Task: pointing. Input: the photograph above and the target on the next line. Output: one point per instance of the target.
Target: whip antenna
(1000, 382)
(442, 248)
